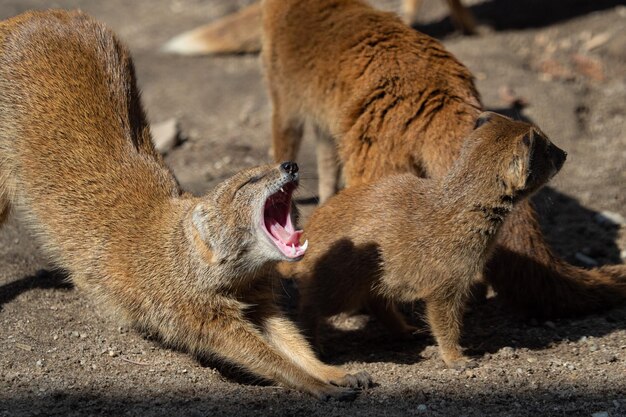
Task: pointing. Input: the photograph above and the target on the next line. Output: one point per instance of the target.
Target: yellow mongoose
(404, 238)
(386, 99)
(78, 166)
(240, 32)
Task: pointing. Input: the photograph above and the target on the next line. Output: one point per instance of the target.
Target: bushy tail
(524, 271)
(237, 33)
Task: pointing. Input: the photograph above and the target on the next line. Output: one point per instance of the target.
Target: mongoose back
(77, 165)
(240, 32)
(404, 238)
(386, 99)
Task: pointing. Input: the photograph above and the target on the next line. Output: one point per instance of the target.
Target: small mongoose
(385, 99)
(404, 238)
(78, 166)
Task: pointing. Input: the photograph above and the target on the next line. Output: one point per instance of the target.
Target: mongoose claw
(462, 364)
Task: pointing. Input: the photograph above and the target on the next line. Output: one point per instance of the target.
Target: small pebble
(422, 408)
(600, 414)
(586, 260)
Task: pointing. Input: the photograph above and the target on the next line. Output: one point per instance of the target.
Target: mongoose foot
(359, 380)
(462, 364)
(408, 333)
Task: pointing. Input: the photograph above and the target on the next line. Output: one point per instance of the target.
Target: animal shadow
(42, 279)
(503, 15)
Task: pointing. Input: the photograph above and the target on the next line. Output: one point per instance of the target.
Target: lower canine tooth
(293, 250)
(305, 245)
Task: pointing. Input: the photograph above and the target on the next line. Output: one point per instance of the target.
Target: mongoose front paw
(338, 393)
(359, 380)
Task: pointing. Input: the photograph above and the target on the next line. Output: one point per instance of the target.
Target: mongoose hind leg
(462, 17)
(283, 335)
(387, 312)
(410, 10)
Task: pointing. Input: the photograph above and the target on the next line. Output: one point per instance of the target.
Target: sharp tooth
(281, 189)
(293, 250)
(305, 245)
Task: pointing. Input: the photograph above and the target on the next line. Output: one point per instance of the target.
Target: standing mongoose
(404, 238)
(386, 99)
(78, 166)
(240, 32)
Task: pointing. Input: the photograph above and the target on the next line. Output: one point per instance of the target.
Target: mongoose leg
(462, 17)
(285, 337)
(445, 316)
(410, 9)
(286, 133)
(387, 312)
(237, 341)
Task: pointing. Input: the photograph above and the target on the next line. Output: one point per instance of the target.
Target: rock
(422, 408)
(600, 414)
(597, 40)
(507, 352)
(609, 218)
(550, 324)
(591, 68)
(166, 135)
(587, 260)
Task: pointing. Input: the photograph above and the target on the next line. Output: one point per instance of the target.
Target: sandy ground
(62, 355)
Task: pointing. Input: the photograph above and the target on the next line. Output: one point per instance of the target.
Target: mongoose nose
(289, 167)
(559, 157)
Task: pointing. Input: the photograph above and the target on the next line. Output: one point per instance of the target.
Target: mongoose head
(525, 158)
(248, 217)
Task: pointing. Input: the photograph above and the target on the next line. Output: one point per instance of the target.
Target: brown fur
(404, 238)
(386, 99)
(240, 32)
(78, 166)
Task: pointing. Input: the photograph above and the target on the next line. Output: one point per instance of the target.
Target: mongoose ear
(203, 238)
(519, 168)
(200, 220)
(483, 118)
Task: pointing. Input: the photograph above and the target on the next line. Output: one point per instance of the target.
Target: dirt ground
(62, 355)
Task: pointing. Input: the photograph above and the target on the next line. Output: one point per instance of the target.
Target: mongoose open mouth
(278, 226)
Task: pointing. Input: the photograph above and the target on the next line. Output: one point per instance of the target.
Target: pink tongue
(281, 234)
